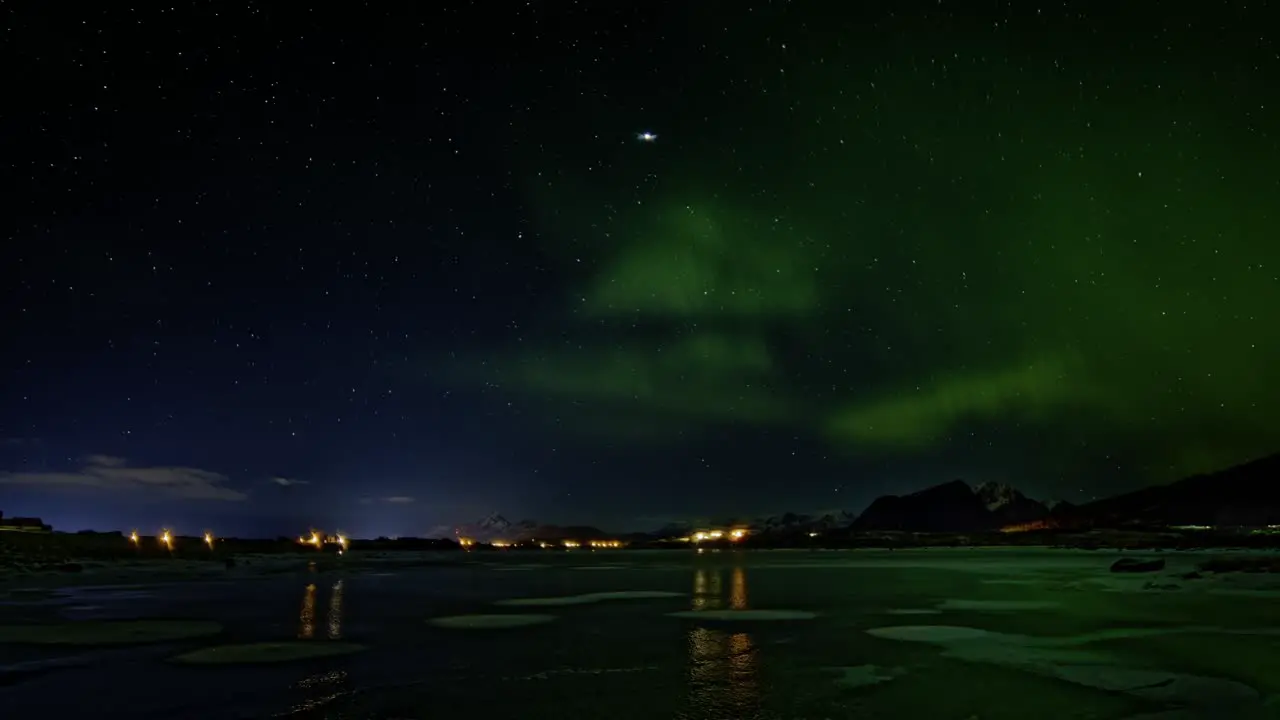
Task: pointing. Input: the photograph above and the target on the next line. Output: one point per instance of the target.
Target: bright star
(646, 137)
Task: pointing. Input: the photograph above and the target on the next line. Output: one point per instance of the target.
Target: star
(647, 136)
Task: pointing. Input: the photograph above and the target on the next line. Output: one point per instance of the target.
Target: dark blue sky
(385, 270)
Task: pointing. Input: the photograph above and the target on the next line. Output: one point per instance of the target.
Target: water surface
(1062, 638)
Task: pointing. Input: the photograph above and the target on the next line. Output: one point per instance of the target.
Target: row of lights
(570, 544)
(601, 544)
(166, 538)
(318, 539)
(702, 535)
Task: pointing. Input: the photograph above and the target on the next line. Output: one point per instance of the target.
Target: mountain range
(1244, 495)
(496, 527)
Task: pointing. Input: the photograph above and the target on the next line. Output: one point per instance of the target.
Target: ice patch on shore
(587, 599)
(489, 622)
(744, 615)
(1064, 658)
(266, 652)
(107, 632)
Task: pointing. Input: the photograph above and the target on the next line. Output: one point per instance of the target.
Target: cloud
(289, 482)
(112, 474)
(105, 460)
(392, 500)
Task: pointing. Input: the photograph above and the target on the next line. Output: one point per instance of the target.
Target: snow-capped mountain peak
(1008, 504)
(996, 495)
(495, 523)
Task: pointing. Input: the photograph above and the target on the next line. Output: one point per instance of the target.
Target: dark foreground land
(1000, 633)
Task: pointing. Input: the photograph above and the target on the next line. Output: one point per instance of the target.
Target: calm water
(629, 659)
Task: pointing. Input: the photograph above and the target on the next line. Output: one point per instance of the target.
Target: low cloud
(113, 474)
(105, 460)
(393, 500)
(289, 482)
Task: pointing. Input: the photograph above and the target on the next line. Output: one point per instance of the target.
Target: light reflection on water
(333, 618)
(738, 590)
(708, 589)
(723, 666)
(321, 689)
(722, 675)
(307, 618)
(335, 612)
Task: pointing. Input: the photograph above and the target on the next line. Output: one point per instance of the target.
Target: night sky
(394, 267)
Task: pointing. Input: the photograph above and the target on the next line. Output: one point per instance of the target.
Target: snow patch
(997, 605)
(489, 622)
(913, 611)
(939, 634)
(587, 599)
(267, 652)
(743, 615)
(865, 675)
(1062, 659)
(107, 632)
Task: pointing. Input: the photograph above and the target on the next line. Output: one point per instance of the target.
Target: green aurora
(894, 254)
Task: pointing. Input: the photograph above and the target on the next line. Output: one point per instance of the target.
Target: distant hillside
(497, 527)
(950, 507)
(798, 524)
(1244, 495)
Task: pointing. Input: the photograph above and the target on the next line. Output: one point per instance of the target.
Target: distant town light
(701, 535)
(208, 539)
(166, 539)
(133, 537)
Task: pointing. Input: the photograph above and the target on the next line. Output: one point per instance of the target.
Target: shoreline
(253, 566)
